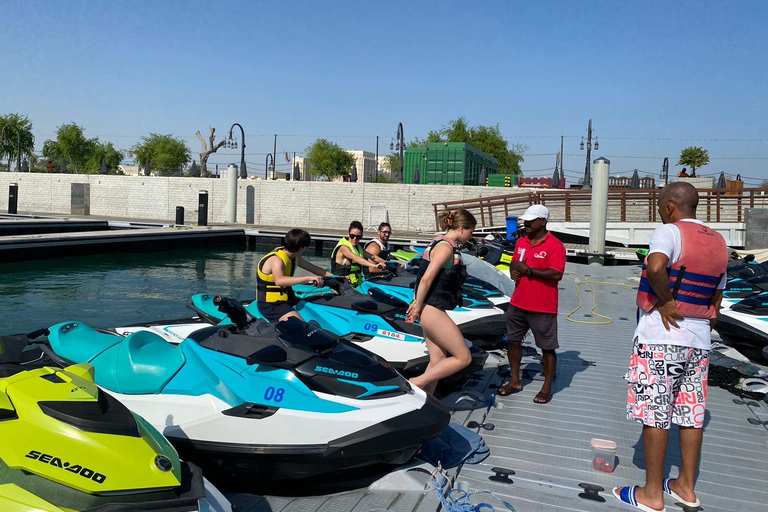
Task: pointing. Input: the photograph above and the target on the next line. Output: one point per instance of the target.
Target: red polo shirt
(534, 293)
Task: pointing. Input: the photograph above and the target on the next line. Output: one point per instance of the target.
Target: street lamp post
(587, 179)
(232, 144)
(18, 144)
(267, 166)
(400, 147)
(665, 171)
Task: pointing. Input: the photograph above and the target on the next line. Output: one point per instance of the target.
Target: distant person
(438, 288)
(348, 257)
(274, 276)
(538, 265)
(679, 296)
(683, 174)
(379, 249)
(50, 166)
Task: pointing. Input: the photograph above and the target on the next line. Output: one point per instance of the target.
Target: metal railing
(715, 205)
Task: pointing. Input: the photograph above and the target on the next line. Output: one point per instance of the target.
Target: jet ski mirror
(234, 310)
(271, 354)
(482, 251)
(365, 306)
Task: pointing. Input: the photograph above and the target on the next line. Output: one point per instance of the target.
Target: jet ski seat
(146, 363)
(79, 342)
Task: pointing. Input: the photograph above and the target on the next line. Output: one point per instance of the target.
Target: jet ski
(347, 309)
(746, 320)
(377, 326)
(256, 402)
(737, 289)
(478, 319)
(76, 448)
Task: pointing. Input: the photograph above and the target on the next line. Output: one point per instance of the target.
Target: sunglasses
(355, 236)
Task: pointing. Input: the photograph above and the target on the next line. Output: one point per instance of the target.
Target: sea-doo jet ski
(478, 319)
(75, 448)
(737, 289)
(347, 309)
(260, 402)
(746, 320)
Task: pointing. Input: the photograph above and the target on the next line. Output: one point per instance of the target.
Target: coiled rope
(459, 500)
(606, 319)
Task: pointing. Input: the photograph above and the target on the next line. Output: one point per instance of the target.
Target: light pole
(267, 166)
(18, 144)
(232, 144)
(400, 147)
(587, 179)
(665, 171)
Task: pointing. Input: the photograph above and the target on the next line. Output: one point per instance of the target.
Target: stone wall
(259, 202)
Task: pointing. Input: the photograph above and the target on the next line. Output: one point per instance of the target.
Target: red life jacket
(694, 277)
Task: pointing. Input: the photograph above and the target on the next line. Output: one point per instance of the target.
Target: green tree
(107, 152)
(70, 145)
(8, 149)
(485, 138)
(393, 162)
(328, 159)
(694, 157)
(166, 154)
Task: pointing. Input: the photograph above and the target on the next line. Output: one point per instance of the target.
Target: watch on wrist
(529, 272)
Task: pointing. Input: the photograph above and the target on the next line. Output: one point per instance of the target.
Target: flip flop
(627, 495)
(675, 496)
(542, 398)
(508, 390)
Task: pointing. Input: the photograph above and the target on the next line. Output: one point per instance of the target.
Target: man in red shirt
(538, 265)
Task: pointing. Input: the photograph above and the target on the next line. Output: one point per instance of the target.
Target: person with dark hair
(438, 288)
(679, 297)
(379, 249)
(275, 276)
(348, 257)
(538, 265)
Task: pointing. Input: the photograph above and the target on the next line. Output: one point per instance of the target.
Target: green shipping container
(448, 163)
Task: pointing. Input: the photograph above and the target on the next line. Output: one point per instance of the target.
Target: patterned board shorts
(667, 384)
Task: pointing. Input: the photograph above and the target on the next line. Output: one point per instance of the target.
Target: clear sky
(654, 76)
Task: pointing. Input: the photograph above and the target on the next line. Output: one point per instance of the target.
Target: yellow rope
(607, 320)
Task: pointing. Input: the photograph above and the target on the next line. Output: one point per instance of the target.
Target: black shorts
(542, 325)
(274, 311)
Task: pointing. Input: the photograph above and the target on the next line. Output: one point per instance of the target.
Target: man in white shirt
(678, 296)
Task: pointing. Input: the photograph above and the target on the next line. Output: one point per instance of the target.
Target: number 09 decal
(371, 327)
(274, 395)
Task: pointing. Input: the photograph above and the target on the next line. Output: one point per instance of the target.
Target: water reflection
(107, 290)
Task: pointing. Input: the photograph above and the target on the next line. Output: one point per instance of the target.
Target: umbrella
(483, 177)
(634, 181)
(63, 167)
(147, 169)
(296, 172)
(103, 166)
(556, 179)
(354, 173)
(193, 170)
(416, 175)
(721, 180)
(24, 166)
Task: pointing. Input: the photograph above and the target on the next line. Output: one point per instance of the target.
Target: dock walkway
(548, 446)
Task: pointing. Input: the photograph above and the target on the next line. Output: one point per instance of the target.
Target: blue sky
(654, 76)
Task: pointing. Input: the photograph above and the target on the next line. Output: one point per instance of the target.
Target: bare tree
(207, 152)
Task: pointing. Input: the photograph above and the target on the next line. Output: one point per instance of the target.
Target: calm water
(107, 290)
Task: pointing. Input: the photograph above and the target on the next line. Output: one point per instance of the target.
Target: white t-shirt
(693, 332)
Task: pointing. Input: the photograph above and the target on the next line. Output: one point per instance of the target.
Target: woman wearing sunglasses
(348, 257)
(438, 288)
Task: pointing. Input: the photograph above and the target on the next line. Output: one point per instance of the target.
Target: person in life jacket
(348, 257)
(678, 297)
(378, 249)
(275, 276)
(438, 288)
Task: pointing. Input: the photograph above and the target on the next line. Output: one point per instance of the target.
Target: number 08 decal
(275, 395)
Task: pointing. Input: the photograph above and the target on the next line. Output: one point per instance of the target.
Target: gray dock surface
(548, 446)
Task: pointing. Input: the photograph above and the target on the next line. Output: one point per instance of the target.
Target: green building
(448, 163)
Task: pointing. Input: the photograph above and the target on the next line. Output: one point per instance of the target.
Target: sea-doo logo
(398, 315)
(47, 458)
(340, 373)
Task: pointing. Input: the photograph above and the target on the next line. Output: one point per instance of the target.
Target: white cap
(536, 211)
